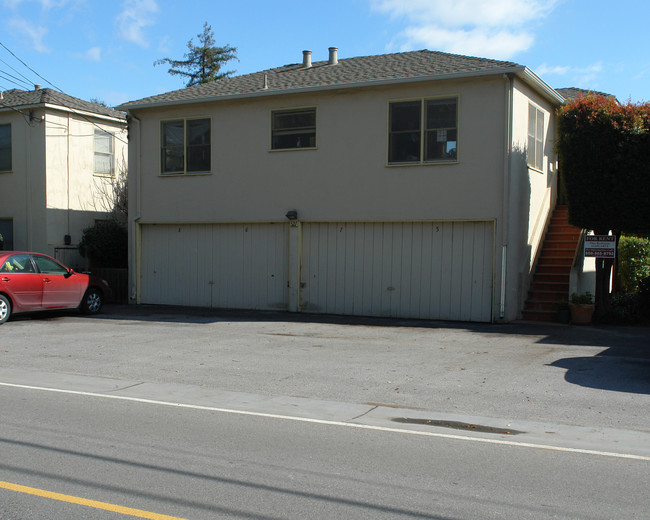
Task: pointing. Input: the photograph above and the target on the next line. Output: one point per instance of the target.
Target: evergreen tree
(203, 62)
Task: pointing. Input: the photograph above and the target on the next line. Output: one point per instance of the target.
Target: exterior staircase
(549, 291)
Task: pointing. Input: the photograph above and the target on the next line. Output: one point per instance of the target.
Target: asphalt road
(185, 462)
(230, 415)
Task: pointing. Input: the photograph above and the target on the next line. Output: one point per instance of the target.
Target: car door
(19, 279)
(61, 287)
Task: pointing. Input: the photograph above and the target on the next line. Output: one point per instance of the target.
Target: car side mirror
(69, 273)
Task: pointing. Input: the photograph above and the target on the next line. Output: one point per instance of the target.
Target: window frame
(9, 148)
(422, 130)
(297, 129)
(110, 136)
(186, 146)
(537, 137)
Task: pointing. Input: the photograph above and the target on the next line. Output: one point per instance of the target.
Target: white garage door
(242, 266)
(430, 270)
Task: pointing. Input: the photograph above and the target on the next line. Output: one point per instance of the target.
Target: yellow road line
(85, 502)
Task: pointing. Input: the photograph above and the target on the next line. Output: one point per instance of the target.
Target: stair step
(561, 277)
(550, 316)
(547, 285)
(556, 261)
(548, 296)
(544, 305)
(550, 286)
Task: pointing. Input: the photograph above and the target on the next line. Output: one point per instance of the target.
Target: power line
(25, 64)
(29, 81)
(73, 110)
(15, 80)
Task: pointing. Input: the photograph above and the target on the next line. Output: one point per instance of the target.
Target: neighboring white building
(58, 155)
(417, 184)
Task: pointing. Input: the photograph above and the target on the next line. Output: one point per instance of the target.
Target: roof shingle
(347, 72)
(17, 98)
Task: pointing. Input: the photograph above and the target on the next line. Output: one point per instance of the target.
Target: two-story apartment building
(58, 156)
(416, 184)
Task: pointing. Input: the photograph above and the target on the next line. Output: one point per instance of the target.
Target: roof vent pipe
(306, 59)
(333, 56)
(37, 87)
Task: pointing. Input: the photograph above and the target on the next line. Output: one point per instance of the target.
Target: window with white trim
(5, 148)
(185, 146)
(423, 131)
(535, 150)
(293, 129)
(104, 152)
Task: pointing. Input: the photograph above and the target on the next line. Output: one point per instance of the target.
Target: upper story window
(185, 146)
(423, 131)
(291, 129)
(535, 151)
(5, 148)
(104, 152)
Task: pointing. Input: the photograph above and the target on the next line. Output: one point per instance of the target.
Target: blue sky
(105, 50)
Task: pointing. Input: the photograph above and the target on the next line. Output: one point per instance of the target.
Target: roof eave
(541, 86)
(319, 88)
(61, 108)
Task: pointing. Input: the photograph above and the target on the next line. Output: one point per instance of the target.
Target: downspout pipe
(507, 171)
(135, 178)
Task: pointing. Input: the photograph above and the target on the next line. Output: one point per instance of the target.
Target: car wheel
(5, 308)
(92, 302)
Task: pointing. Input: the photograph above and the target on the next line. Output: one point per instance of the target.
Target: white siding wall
(243, 266)
(429, 270)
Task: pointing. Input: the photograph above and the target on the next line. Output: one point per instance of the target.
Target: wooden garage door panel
(242, 266)
(430, 270)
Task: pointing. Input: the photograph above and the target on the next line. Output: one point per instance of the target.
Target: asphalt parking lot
(593, 376)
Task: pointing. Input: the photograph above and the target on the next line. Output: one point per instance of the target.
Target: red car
(35, 282)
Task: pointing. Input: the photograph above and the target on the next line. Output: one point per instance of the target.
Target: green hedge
(105, 244)
(633, 262)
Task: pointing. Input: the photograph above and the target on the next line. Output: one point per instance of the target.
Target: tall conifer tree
(203, 62)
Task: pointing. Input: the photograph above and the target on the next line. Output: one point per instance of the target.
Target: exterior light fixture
(292, 215)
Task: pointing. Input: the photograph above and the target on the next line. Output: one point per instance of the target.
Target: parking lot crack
(364, 413)
(125, 387)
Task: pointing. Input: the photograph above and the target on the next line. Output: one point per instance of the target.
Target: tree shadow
(617, 369)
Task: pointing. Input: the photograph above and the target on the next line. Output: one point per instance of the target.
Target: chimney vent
(333, 56)
(37, 87)
(306, 59)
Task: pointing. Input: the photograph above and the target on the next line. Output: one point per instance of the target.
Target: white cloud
(552, 70)
(93, 54)
(135, 16)
(34, 33)
(499, 28)
(583, 77)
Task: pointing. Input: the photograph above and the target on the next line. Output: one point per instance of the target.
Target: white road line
(336, 423)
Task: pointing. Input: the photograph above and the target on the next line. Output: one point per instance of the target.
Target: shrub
(633, 262)
(105, 244)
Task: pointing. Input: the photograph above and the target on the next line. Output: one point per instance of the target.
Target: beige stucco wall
(76, 196)
(52, 190)
(531, 211)
(347, 177)
(22, 195)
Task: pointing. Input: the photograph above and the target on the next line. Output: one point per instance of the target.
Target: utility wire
(73, 110)
(29, 81)
(25, 64)
(15, 80)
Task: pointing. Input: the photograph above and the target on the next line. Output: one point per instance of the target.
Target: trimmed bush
(105, 244)
(633, 262)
